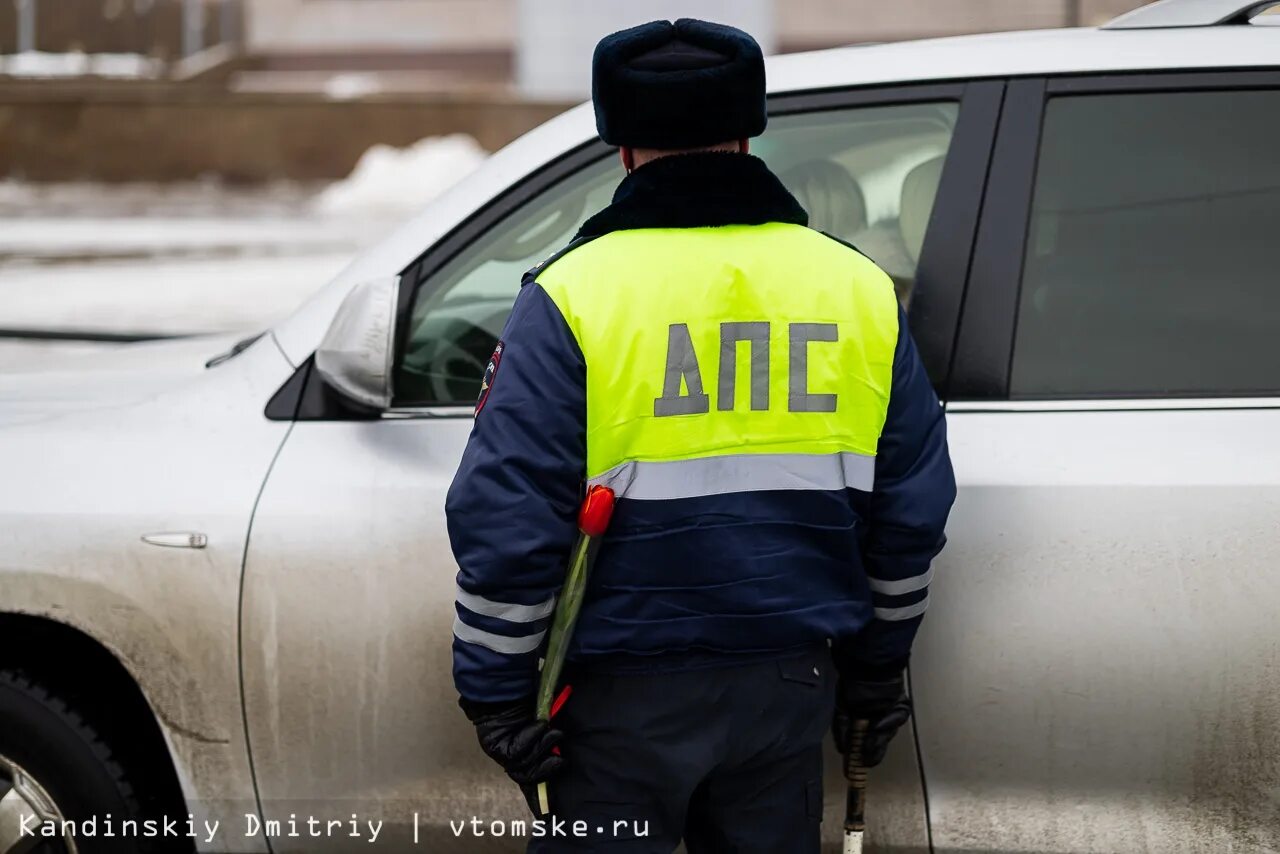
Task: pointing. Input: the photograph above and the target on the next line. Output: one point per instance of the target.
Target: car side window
(1151, 256)
(867, 175)
(459, 312)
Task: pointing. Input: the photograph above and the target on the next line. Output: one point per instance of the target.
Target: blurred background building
(244, 89)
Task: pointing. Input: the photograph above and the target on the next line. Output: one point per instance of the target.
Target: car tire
(46, 741)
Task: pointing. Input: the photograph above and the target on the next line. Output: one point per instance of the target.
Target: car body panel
(1064, 701)
(348, 609)
(107, 377)
(189, 454)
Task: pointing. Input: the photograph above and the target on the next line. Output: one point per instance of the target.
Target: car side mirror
(355, 357)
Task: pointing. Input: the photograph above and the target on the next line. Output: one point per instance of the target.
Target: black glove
(513, 737)
(882, 702)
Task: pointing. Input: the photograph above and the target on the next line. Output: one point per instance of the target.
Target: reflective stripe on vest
(728, 359)
(741, 472)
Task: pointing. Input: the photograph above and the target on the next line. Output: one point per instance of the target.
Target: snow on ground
(34, 355)
(343, 87)
(182, 199)
(75, 64)
(401, 180)
(163, 296)
(54, 238)
(199, 257)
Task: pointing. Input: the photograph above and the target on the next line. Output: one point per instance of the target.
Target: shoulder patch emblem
(490, 371)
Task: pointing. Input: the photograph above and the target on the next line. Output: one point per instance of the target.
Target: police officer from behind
(749, 389)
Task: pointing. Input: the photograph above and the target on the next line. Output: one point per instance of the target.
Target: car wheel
(54, 766)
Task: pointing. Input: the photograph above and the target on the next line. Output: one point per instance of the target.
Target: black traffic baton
(855, 801)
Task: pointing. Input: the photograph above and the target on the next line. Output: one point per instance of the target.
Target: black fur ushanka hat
(681, 85)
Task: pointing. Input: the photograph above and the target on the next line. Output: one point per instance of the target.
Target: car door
(1099, 668)
(348, 588)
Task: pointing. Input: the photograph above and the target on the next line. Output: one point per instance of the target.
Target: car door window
(867, 175)
(459, 312)
(1151, 256)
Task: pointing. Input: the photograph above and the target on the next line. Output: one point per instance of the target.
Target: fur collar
(706, 188)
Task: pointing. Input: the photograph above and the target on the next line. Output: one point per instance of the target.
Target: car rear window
(1152, 256)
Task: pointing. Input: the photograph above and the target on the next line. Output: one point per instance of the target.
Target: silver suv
(226, 588)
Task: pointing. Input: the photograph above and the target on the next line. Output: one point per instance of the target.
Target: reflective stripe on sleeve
(497, 643)
(904, 613)
(505, 610)
(901, 585)
(718, 475)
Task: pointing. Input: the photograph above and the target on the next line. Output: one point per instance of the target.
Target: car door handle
(177, 539)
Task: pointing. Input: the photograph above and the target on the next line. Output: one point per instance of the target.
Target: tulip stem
(566, 617)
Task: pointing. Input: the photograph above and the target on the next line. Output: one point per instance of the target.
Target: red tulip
(596, 510)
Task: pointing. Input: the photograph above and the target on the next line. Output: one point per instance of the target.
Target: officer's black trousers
(729, 759)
